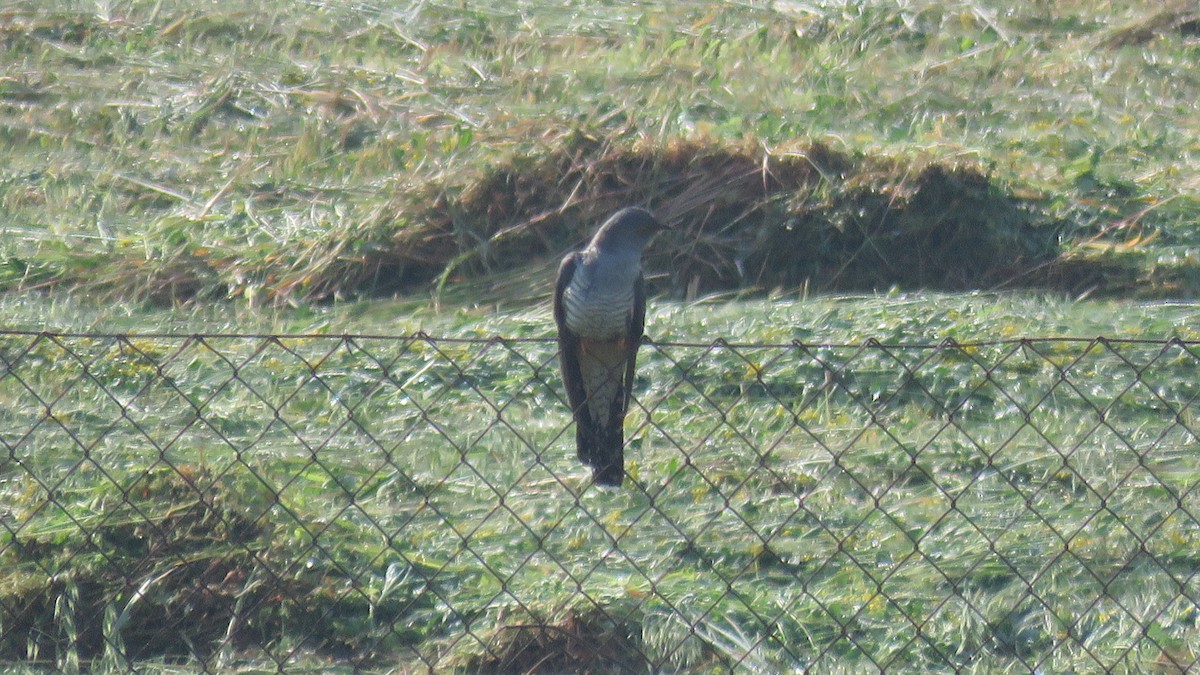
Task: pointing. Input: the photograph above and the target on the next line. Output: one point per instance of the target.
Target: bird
(600, 312)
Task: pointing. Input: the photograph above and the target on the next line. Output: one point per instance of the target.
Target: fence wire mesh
(413, 503)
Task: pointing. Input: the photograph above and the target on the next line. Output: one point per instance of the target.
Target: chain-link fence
(225, 502)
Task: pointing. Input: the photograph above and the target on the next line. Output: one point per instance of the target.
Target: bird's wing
(637, 326)
(568, 341)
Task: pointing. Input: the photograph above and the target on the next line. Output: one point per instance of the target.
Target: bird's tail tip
(609, 476)
(603, 449)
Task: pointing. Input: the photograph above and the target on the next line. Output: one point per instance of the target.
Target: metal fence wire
(279, 502)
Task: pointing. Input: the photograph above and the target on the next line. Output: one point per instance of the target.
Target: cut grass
(324, 150)
(414, 502)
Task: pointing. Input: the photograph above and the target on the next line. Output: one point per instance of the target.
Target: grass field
(321, 169)
(411, 502)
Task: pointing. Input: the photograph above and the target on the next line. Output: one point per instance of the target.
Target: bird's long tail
(599, 436)
(599, 419)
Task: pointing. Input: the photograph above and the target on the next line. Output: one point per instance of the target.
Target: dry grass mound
(173, 569)
(744, 217)
(747, 219)
(582, 642)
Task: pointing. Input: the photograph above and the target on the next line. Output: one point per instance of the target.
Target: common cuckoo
(600, 309)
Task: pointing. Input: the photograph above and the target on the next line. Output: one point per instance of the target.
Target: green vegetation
(999, 505)
(286, 153)
(319, 169)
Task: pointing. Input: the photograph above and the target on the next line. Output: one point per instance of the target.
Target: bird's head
(629, 229)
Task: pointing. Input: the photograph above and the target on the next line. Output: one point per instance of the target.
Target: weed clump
(585, 641)
(171, 568)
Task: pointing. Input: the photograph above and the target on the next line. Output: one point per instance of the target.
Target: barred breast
(597, 311)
